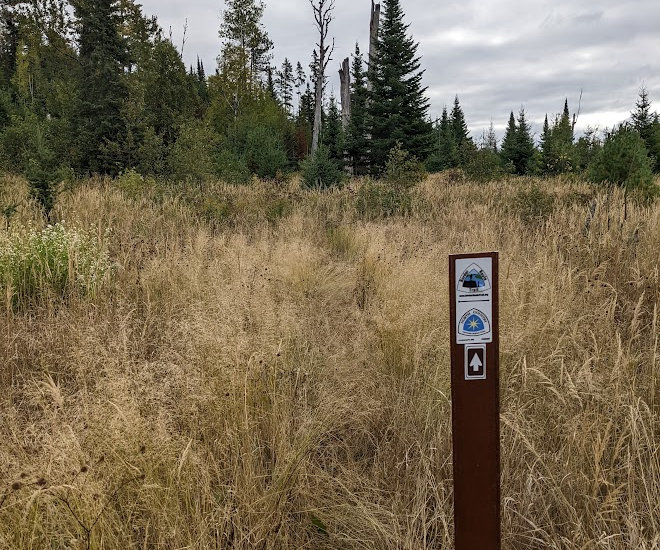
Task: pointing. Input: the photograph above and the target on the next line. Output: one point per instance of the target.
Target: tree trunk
(318, 100)
(373, 40)
(345, 79)
(323, 17)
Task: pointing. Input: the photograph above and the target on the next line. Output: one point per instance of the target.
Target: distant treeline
(95, 86)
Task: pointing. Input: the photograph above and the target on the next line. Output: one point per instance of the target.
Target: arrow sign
(476, 364)
(475, 361)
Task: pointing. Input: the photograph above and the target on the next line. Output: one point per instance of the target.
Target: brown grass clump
(266, 368)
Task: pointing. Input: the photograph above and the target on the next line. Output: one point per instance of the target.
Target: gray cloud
(495, 55)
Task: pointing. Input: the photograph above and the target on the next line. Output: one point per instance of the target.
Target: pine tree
(103, 54)
(397, 106)
(357, 140)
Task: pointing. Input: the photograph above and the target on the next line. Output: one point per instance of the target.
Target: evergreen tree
(508, 152)
(9, 40)
(546, 143)
(624, 161)
(202, 84)
(285, 82)
(524, 145)
(458, 125)
(397, 106)
(270, 84)
(561, 144)
(490, 143)
(169, 93)
(357, 139)
(333, 135)
(103, 55)
(447, 152)
(646, 125)
(300, 81)
(462, 140)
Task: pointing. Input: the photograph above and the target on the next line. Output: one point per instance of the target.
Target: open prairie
(267, 368)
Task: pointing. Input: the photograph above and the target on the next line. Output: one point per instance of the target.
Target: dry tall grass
(267, 370)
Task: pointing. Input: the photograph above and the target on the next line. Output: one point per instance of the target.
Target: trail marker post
(474, 314)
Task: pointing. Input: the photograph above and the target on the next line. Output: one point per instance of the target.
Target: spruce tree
(524, 145)
(357, 140)
(491, 139)
(561, 144)
(458, 125)
(546, 143)
(448, 152)
(103, 54)
(300, 81)
(397, 106)
(646, 125)
(508, 151)
(332, 137)
(285, 82)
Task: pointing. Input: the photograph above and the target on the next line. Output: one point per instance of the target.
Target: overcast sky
(495, 54)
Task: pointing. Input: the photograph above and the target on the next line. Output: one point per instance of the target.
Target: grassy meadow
(261, 367)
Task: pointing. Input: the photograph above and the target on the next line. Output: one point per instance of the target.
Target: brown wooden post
(474, 314)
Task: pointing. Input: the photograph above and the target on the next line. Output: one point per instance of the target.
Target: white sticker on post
(474, 301)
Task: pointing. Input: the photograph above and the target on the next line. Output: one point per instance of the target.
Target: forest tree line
(97, 87)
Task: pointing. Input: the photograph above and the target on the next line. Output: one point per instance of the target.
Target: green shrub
(402, 169)
(191, 156)
(533, 205)
(379, 199)
(624, 161)
(319, 171)
(56, 262)
(484, 165)
(134, 185)
(230, 168)
(264, 154)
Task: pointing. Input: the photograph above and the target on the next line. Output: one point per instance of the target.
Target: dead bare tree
(323, 17)
(374, 26)
(345, 80)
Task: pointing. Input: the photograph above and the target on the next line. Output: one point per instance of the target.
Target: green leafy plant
(402, 169)
(319, 171)
(57, 261)
(624, 161)
(533, 205)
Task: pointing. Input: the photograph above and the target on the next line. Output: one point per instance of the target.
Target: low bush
(379, 199)
(533, 205)
(319, 171)
(402, 169)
